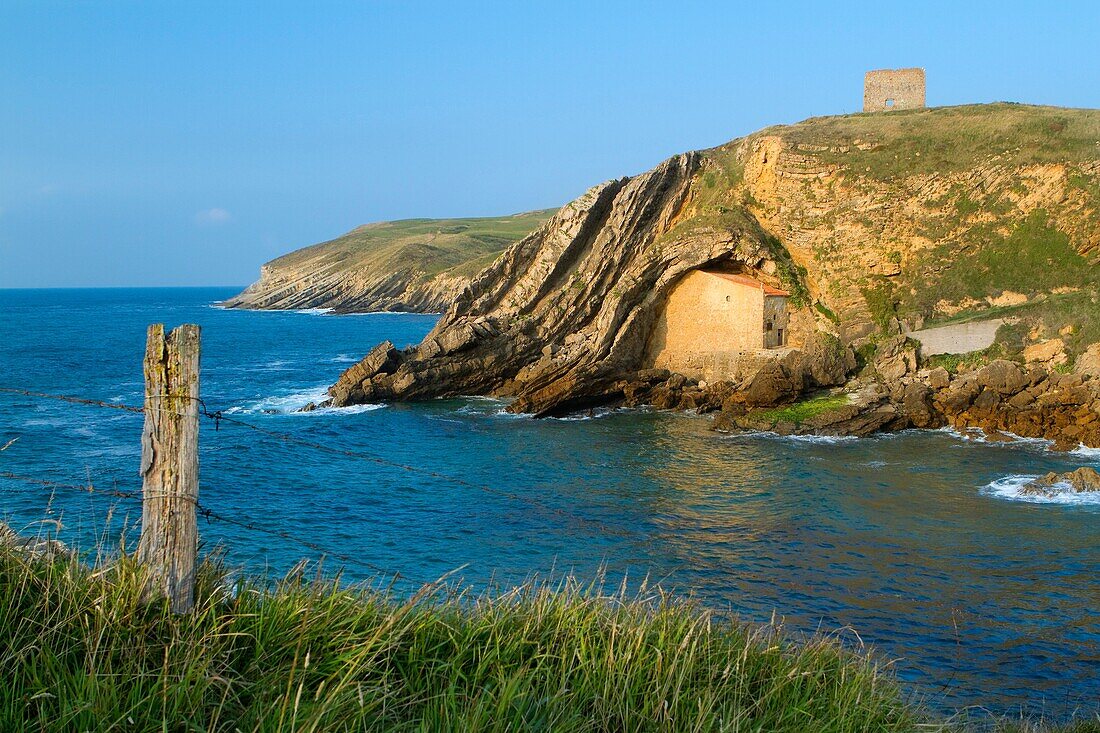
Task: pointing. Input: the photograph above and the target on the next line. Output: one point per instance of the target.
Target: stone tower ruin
(886, 89)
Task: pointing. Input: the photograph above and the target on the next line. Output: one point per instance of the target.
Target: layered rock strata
(561, 320)
(342, 290)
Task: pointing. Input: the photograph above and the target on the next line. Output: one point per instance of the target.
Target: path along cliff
(876, 224)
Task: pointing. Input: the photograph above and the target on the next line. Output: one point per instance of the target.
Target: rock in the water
(1082, 480)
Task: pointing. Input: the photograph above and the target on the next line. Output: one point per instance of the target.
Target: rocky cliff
(869, 221)
(564, 315)
(418, 265)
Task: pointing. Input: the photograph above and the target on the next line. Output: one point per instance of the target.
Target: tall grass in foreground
(80, 652)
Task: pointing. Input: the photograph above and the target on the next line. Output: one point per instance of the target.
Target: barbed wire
(74, 400)
(87, 488)
(209, 514)
(220, 416)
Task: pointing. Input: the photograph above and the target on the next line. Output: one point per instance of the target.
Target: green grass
(948, 139)
(430, 246)
(879, 296)
(1034, 257)
(800, 412)
(954, 362)
(80, 652)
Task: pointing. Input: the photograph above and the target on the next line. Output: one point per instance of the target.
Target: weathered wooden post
(170, 465)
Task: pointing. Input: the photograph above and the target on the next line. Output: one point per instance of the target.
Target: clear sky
(156, 143)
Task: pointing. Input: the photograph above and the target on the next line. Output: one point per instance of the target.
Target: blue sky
(156, 143)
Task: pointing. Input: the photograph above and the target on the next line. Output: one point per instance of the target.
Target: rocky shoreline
(1002, 399)
(822, 390)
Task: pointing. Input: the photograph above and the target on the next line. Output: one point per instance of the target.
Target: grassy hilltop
(430, 246)
(411, 264)
(930, 215)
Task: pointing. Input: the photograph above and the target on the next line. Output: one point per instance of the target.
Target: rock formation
(848, 214)
(1082, 480)
(1000, 400)
(563, 316)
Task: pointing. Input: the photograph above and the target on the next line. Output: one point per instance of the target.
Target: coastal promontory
(412, 265)
(866, 231)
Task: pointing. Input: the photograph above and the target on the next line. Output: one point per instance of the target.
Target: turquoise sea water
(916, 542)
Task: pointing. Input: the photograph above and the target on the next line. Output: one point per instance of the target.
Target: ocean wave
(344, 359)
(348, 410)
(293, 402)
(768, 435)
(285, 403)
(1010, 487)
(312, 311)
(391, 313)
(977, 435)
(485, 406)
(594, 414)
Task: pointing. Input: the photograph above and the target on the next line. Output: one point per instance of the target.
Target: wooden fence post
(170, 465)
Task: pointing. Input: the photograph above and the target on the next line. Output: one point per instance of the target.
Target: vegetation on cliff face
(923, 215)
(407, 265)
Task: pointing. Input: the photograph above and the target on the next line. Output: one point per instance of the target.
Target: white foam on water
(391, 313)
(285, 403)
(503, 412)
(345, 359)
(349, 410)
(290, 404)
(272, 366)
(312, 311)
(768, 435)
(1092, 454)
(483, 405)
(594, 414)
(1009, 488)
(977, 435)
(825, 439)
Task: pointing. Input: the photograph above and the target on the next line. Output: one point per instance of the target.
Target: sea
(917, 545)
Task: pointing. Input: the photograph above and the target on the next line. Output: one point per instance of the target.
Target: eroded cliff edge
(875, 223)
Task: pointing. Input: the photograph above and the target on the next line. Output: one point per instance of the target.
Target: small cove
(914, 541)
